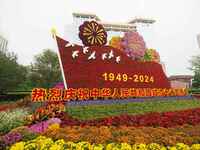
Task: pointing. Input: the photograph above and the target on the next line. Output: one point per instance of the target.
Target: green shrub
(194, 91)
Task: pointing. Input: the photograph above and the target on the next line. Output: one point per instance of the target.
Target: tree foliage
(45, 70)
(195, 63)
(12, 74)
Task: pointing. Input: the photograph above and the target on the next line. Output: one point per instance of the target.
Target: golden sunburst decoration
(92, 34)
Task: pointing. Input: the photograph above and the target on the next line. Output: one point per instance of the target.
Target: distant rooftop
(142, 20)
(118, 26)
(175, 77)
(88, 15)
(124, 27)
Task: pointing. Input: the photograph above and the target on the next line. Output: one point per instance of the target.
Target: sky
(27, 24)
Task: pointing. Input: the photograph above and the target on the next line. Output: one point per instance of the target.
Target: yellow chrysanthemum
(18, 146)
(56, 147)
(54, 126)
(195, 147)
(139, 147)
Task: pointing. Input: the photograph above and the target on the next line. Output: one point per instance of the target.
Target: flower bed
(165, 119)
(12, 119)
(42, 142)
(132, 108)
(104, 134)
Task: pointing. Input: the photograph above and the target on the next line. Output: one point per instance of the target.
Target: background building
(3, 43)
(112, 28)
(181, 81)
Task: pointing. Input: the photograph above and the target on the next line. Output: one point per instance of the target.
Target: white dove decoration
(118, 58)
(104, 56)
(75, 54)
(69, 44)
(92, 56)
(85, 50)
(111, 55)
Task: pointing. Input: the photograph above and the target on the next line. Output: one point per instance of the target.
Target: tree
(12, 74)
(195, 63)
(45, 70)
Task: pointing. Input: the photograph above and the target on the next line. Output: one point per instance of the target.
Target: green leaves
(195, 67)
(12, 74)
(45, 70)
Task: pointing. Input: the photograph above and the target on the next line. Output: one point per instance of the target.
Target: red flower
(167, 119)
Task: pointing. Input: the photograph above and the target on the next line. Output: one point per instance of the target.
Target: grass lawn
(100, 111)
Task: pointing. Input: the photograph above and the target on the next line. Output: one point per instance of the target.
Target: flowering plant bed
(105, 134)
(164, 128)
(101, 110)
(165, 119)
(42, 142)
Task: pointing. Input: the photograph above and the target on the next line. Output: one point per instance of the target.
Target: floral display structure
(123, 56)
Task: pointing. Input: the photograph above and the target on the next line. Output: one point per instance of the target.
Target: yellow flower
(43, 142)
(60, 142)
(98, 147)
(172, 148)
(163, 148)
(70, 145)
(182, 146)
(125, 146)
(54, 126)
(30, 146)
(56, 147)
(18, 146)
(195, 147)
(83, 145)
(110, 146)
(139, 147)
(154, 146)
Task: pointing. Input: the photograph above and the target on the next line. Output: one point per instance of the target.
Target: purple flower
(42, 126)
(11, 138)
(39, 127)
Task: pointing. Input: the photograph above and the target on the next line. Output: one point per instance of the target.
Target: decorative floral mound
(116, 42)
(42, 142)
(134, 45)
(152, 55)
(92, 34)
